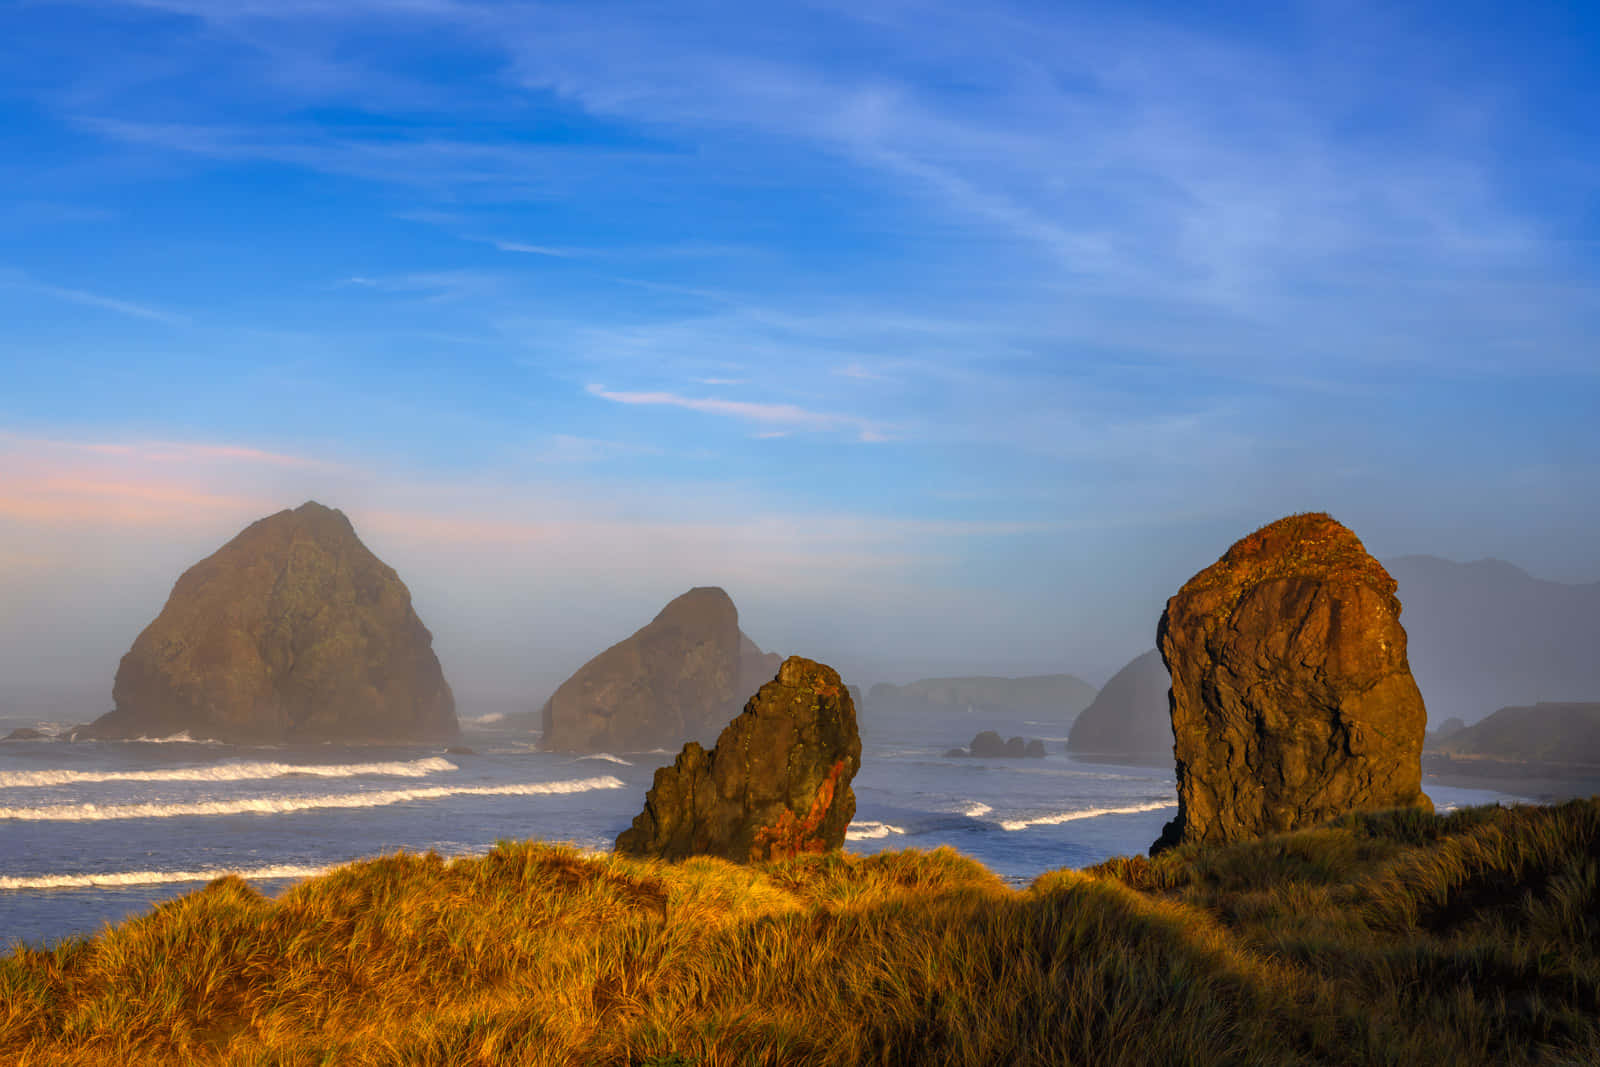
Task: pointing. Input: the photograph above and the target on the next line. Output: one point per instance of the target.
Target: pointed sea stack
(679, 678)
(1130, 716)
(776, 784)
(293, 631)
(1292, 701)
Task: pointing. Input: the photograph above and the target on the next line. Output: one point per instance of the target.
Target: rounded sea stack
(291, 632)
(1292, 701)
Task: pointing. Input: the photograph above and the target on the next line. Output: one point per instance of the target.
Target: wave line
(284, 805)
(1090, 813)
(230, 772)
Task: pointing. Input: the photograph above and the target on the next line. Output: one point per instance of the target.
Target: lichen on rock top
(292, 631)
(777, 782)
(1292, 700)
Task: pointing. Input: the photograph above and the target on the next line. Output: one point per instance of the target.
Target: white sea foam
(870, 831)
(230, 772)
(286, 804)
(126, 878)
(607, 756)
(180, 738)
(1087, 813)
(976, 810)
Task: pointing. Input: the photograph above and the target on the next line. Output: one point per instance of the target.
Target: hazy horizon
(947, 339)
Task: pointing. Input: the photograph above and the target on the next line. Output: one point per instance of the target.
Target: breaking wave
(608, 757)
(124, 878)
(285, 805)
(870, 831)
(230, 772)
(1087, 813)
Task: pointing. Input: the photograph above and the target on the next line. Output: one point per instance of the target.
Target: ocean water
(93, 832)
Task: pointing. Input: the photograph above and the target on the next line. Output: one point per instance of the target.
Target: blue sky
(943, 335)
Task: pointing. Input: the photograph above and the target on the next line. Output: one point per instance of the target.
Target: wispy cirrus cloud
(769, 414)
(130, 308)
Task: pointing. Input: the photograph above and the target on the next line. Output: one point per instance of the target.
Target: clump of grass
(1403, 937)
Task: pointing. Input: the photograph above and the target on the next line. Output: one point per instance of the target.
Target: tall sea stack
(1292, 701)
(293, 631)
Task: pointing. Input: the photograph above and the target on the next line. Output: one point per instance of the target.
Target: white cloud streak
(780, 414)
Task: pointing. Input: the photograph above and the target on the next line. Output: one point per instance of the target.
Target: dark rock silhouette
(679, 678)
(1130, 715)
(1547, 732)
(990, 745)
(1292, 701)
(777, 782)
(1057, 697)
(293, 631)
(1444, 731)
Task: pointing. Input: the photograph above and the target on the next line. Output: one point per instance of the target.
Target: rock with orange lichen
(1292, 700)
(776, 784)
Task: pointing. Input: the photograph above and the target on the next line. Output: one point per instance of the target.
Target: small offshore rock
(776, 784)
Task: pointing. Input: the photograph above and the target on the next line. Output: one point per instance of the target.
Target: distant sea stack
(293, 631)
(1130, 716)
(1292, 701)
(776, 784)
(681, 677)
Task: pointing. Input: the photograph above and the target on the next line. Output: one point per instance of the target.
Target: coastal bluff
(776, 784)
(291, 632)
(678, 678)
(1292, 701)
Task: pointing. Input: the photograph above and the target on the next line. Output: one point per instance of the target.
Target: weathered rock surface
(293, 631)
(1292, 701)
(679, 678)
(1130, 716)
(777, 782)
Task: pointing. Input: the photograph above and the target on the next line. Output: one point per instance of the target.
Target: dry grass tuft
(1397, 937)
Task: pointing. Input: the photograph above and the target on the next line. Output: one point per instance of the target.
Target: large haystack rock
(293, 631)
(1292, 701)
(679, 678)
(1130, 716)
(776, 784)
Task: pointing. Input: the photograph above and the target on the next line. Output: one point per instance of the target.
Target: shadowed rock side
(293, 631)
(1292, 701)
(1130, 716)
(756, 668)
(776, 784)
(676, 679)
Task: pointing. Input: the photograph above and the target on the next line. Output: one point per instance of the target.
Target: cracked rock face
(776, 784)
(1292, 701)
(293, 631)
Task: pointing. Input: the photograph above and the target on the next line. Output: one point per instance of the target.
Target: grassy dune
(1396, 938)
